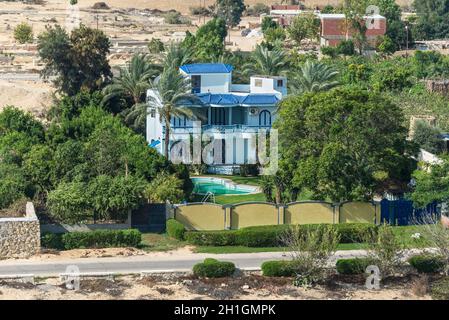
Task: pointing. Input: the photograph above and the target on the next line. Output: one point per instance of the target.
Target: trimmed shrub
(212, 238)
(440, 289)
(102, 239)
(52, 241)
(352, 266)
(175, 229)
(212, 268)
(426, 263)
(278, 269)
(270, 236)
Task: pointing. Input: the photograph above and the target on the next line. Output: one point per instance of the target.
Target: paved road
(137, 264)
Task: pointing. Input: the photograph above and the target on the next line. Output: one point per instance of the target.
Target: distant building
(333, 26)
(334, 29)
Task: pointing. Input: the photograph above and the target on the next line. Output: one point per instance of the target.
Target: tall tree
(133, 83)
(433, 19)
(230, 11)
(314, 77)
(78, 61)
(171, 91)
(345, 144)
(303, 27)
(208, 42)
(267, 62)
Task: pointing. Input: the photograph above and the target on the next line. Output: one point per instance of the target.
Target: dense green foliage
(278, 269)
(428, 137)
(78, 61)
(86, 166)
(352, 266)
(23, 33)
(346, 144)
(212, 268)
(92, 239)
(175, 229)
(426, 263)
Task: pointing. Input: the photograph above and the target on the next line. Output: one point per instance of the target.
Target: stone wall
(20, 237)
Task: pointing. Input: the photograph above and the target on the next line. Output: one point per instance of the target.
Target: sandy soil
(248, 286)
(28, 95)
(106, 253)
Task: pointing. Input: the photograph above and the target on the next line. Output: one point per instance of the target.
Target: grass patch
(160, 242)
(243, 249)
(404, 235)
(231, 199)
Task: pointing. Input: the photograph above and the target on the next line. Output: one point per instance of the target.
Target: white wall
(215, 82)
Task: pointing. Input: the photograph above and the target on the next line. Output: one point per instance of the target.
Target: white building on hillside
(225, 108)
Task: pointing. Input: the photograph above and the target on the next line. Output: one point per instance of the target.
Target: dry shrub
(310, 251)
(420, 286)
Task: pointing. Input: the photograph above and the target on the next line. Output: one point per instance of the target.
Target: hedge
(426, 263)
(270, 236)
(92, 239)
(52, 241)
(212, 268)
(353, 266)
(175, 229)
(278, 269)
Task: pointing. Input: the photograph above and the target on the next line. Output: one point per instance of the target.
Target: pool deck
(229, 181)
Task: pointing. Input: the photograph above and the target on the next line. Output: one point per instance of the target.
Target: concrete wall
(199, 216)
(254, 214)
(359, 212)
(20, 237)
(309, 213)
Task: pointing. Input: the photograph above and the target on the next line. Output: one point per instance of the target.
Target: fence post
(336, 207)
(281, 213)
(227, 210)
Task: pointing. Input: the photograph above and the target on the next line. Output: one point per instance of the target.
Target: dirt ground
(185, 287)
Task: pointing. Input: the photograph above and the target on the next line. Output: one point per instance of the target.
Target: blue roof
(207, 68)
(229, 99)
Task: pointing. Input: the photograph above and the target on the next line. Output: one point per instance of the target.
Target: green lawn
(160, 242)
(242, 249)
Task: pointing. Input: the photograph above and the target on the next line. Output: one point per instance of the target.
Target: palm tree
(266, 62)
(132, 84)
(314, 77)
(172, 92)
(177, 55)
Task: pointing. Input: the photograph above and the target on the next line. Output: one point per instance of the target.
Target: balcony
(235, 128)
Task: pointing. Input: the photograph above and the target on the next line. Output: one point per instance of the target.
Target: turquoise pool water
(219, 187)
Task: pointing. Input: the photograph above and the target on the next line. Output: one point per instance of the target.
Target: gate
(402, 213)
(150, 217)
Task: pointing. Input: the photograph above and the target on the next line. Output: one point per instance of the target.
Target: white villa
(236, 110)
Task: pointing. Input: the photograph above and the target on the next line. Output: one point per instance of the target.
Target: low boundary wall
(209, 216)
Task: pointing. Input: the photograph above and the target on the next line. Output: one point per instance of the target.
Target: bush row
(270, 236)
(92, 239)
(427, 263)
(212, 268)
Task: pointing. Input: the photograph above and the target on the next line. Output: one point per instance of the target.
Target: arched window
(265, 118)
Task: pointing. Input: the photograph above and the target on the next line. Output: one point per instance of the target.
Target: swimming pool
(219, 186)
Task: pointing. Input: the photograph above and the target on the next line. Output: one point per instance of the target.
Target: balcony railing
(235, 128)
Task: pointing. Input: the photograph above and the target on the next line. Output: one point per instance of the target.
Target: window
(196, 84)
(153, 113)
(280, 83)
(258, 83)
(265, 118)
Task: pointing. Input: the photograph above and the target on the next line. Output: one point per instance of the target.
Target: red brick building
(334, 29)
